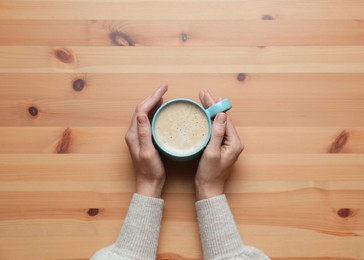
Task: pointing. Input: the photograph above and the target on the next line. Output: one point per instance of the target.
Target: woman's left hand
(150, 172)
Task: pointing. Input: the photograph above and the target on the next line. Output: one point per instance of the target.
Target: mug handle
(222, 106)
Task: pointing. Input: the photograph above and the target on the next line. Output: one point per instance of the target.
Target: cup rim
(197, 151)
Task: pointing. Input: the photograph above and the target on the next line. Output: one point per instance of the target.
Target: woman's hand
(219, 156)
(150, 172)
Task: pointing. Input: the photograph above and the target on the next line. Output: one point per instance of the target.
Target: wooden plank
(105, 140)
(349, 59)
(186, 10)
(260, 211)
(33, 86)
(187, 243)
(198, 33)
(110, 140)
(50, 247)
(118, 167)
(295, 216)
(253, 209)
(246, 112)
(183, 187)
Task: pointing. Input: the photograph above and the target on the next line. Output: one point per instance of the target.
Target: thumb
(144, 131)
(218, 131)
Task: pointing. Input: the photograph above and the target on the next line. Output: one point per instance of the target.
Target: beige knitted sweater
(138, 238)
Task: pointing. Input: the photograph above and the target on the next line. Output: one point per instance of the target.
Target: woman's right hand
(219, 156)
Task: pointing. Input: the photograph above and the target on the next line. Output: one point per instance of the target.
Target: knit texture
(219, 234)
(138, 238)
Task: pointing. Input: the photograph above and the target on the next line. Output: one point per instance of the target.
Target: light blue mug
(222, 106)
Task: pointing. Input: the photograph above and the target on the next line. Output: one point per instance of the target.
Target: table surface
(72, 71)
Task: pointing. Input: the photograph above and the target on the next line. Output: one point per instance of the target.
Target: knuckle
(218, 126)
(130, 138)
(212, 154)
(139, 108)
(139, 112)
(143, 132)
(239, 148)
(146, 155)
(219, 131)
(127, 138)
(232, 155)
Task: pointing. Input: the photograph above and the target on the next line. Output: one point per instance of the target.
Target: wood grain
(182, 10)
(349, 59)
(197, 33)
(63, 178)
(299, 112)
(262, 86)
(110, 140)
(72, 72)
(118, 167)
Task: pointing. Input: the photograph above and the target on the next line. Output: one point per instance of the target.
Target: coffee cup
(181, 127)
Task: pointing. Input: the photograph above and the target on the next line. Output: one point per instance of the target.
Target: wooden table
(71, 73)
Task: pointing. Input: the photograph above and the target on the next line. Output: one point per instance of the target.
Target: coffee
(181, 128)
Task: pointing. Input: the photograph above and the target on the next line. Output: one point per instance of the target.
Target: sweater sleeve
(219, 234)
(138, 238)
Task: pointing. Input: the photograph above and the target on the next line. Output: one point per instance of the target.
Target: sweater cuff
(219, 235)
(139, 235)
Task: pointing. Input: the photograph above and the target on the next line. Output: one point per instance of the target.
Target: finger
(155, 108)
(232, 138)
(131, 140)
(144, 132)
(209, 99)
(201, 95)
(147, 105)
(144, 106)
(230, 128)
(218, 132)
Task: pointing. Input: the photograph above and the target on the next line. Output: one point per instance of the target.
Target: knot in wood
(241, 77)
(267, 17)
(339, 143)
(121, 39)
(33, 111)
(344, 212)
(93, 212)
(78, 85)
(64, 55)
(184, 37)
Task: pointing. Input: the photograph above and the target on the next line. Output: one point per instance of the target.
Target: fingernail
(141, 119)
(163, 85)
(221, 118)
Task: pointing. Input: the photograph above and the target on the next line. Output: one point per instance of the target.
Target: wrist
(150, 188)
(207, 191)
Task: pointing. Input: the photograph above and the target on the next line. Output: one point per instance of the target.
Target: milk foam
(181, 127)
